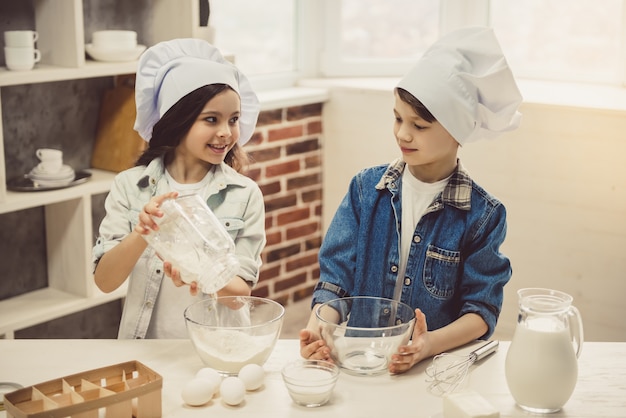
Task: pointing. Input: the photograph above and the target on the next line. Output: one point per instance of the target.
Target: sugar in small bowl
(310, 383)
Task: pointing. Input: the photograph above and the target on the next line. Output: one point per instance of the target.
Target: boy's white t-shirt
(416, 197)
(168, 315)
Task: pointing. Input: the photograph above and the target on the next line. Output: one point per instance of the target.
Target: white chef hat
(465, 82)
(172, 69)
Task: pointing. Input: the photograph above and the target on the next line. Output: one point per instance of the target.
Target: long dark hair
(170, 130)
(417, 106)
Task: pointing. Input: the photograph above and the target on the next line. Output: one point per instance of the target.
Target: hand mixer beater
(448, 370)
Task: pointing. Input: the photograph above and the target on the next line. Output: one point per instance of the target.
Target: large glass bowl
(363, 332)
(231, 331)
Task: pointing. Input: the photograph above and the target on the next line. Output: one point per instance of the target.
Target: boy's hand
(416, 351)
(312, 347)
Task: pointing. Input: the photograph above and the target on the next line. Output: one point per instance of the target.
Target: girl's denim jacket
(454, 266)
(235, 199)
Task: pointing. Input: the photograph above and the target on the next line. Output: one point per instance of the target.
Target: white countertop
(600, 392)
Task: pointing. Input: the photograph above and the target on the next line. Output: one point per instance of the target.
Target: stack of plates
(61, 178)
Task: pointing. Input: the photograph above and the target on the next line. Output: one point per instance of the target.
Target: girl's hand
(174, 274)
(417, 350)
(150, 210)
(312, 347)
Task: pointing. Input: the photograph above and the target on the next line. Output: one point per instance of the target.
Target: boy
(420, 230)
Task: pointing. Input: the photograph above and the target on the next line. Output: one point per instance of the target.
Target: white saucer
(66, 172)
(114, 55)
(53, 183)
(26, 184)
(47, 180)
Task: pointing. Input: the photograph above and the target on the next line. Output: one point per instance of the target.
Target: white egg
(198, 391)
(232, 390)
(252, 376)
(211, 374)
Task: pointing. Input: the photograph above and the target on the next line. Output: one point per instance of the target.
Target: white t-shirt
(416, 197)
(168, 315)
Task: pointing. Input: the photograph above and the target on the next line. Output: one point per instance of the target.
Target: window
(377, 38)
(260, 34)
(276, 42)
(574, 40)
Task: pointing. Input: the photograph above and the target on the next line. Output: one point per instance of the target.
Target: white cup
(21, 59)
(51, 160)
(20, 38)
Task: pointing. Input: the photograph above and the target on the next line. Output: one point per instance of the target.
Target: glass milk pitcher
(541, 364)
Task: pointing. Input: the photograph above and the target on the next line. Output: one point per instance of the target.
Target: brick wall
(287, 164)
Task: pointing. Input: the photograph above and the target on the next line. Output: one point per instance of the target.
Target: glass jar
(192, 238)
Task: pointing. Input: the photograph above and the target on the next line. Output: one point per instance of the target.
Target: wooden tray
(122, 390)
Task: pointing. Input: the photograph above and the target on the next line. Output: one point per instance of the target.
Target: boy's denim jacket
(235, 199)
(454, 266)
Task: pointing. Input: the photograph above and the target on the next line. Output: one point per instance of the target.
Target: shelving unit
(68, 212)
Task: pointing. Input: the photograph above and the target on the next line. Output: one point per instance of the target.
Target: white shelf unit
(67, 211)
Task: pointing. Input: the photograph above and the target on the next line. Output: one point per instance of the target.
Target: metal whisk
(448, 371)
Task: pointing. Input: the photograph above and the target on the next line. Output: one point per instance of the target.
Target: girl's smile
(219, 149)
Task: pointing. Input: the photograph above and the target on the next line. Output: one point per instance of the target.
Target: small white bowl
(310, 383)
(114, 39)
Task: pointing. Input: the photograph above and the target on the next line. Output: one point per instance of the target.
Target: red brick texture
(286, 162)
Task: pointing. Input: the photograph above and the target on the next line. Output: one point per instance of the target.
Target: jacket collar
(457, 192)
(225, 175)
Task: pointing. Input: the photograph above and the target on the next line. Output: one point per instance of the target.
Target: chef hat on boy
(465, 82)
(170, 70)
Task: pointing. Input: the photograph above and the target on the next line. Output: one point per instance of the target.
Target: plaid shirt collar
(457, 192)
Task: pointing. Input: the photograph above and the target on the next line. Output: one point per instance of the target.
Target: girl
(195, 110)
(420, 230)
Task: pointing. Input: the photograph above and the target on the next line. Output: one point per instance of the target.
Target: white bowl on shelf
(115, 39)
(114, 54)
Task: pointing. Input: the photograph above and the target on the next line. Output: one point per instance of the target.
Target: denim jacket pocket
(440, 271)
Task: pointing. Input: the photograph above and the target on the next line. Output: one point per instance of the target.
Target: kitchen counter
(600, 392)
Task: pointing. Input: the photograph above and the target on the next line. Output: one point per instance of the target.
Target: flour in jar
(229, 350)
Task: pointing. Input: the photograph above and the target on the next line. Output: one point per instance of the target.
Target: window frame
(453, 14)
(317, 54)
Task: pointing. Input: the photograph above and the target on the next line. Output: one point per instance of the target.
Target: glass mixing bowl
(363, 332)
(229, 332)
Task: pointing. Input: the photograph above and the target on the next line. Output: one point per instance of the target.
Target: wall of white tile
(561, 175)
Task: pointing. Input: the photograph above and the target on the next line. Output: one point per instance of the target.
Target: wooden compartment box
(122, 390)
